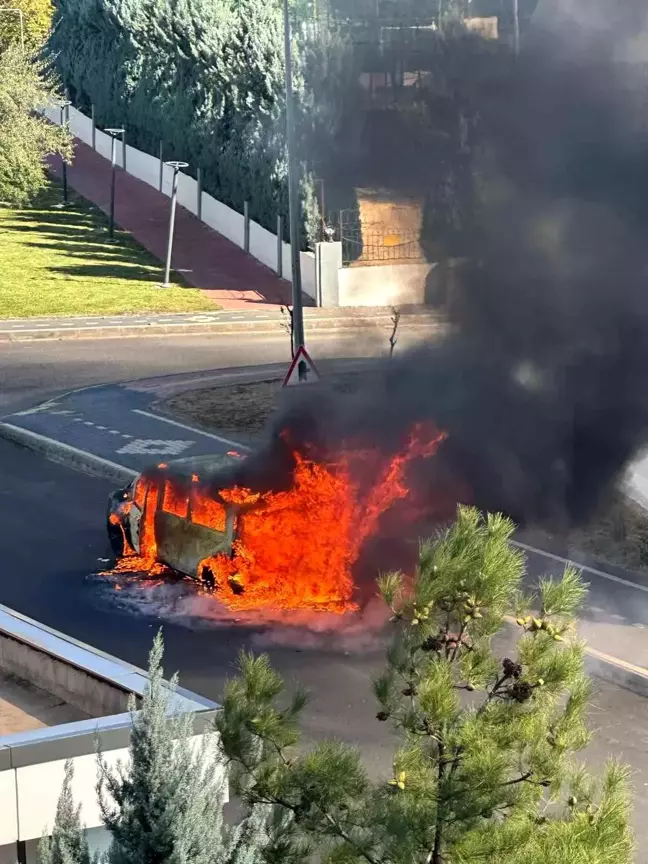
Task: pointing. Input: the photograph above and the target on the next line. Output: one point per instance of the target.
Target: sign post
(302, 370)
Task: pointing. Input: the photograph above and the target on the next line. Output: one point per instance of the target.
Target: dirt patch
(245, 408)
(619, 535)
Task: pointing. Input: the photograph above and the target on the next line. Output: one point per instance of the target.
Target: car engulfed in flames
(288, 548)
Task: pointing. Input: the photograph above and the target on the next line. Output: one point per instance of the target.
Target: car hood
(209, 464)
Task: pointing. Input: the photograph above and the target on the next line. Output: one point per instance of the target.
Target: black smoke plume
(542, 382)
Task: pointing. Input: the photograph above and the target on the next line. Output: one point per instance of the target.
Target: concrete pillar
(328, 263)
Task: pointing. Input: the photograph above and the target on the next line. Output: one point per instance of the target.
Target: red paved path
(206, 259)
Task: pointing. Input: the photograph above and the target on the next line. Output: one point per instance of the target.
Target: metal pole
(124, 149)
(516, 27)
(279, 247)
(246, 226)
(293, 194)
(113, 157)
(65, 120)
(174, 195)
(94, 127)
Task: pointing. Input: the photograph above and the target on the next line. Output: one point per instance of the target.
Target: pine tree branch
(521, 779)
(293, 808)
(438, 829)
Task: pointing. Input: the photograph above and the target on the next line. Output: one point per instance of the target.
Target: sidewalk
(206, 259)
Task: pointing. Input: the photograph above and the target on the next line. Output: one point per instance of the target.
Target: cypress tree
(166, 804)
(67, 843)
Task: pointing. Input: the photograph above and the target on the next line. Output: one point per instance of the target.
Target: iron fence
(374, 246)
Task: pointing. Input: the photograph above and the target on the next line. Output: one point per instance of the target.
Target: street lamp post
(516, 27)
(176, 166)
(114, 135)
(293, 195)
(65, 119)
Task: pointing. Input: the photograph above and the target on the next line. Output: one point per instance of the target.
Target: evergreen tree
(26, 138)
(67, 843)
(36, 22)
(166, 804)
(207, 79)
(485, 770)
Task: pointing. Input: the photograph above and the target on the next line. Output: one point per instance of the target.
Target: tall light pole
(174, 197)
(114, 135)
(65, 119)
(516, 27)
(293, 195)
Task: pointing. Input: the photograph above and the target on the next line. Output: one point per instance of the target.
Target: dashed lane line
(192, 429)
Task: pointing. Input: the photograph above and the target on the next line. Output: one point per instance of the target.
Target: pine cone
(511, 668)
(521, 691)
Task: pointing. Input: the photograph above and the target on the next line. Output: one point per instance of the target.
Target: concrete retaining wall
(389, 285)
(92, 695)
(32, 763)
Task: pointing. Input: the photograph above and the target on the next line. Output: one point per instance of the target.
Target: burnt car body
(164, 515)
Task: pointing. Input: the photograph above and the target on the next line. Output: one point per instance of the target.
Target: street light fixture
(293, 195)
(176, 166)
(114, 135)
(65, 119)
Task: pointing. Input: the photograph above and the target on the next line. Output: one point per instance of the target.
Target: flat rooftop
(24, 707)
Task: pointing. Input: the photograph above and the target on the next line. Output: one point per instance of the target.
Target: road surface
(33, 371)
(51, 543)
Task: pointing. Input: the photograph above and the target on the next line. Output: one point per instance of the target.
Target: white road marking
(146, 446)
(88, 423)
(609, 576)
(103, 428)
(51, 443)
(227, 441)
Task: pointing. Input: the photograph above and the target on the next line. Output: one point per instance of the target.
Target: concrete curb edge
(64, 454)
(121, 331)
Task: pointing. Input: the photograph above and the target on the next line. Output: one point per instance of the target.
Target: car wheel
(115, 537)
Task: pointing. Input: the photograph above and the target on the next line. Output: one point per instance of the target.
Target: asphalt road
(51, 543)
(33, 371)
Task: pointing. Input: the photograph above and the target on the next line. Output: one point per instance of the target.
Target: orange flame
(296, 548)
(293, 549)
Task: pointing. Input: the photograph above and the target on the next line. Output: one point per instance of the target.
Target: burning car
(163, 518)
(291, 547)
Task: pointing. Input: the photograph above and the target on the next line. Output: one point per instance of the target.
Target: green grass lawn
(59, 261)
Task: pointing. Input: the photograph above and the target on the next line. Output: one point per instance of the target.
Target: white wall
(143, 166)
(29, 795)
(223, 219)
(391, 285)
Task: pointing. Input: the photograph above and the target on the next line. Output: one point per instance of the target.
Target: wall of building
(390, 285)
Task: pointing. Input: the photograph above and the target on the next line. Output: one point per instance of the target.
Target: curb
(64, 454)
(119, 331)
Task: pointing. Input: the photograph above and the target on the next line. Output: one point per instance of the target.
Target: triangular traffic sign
(302, 370)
